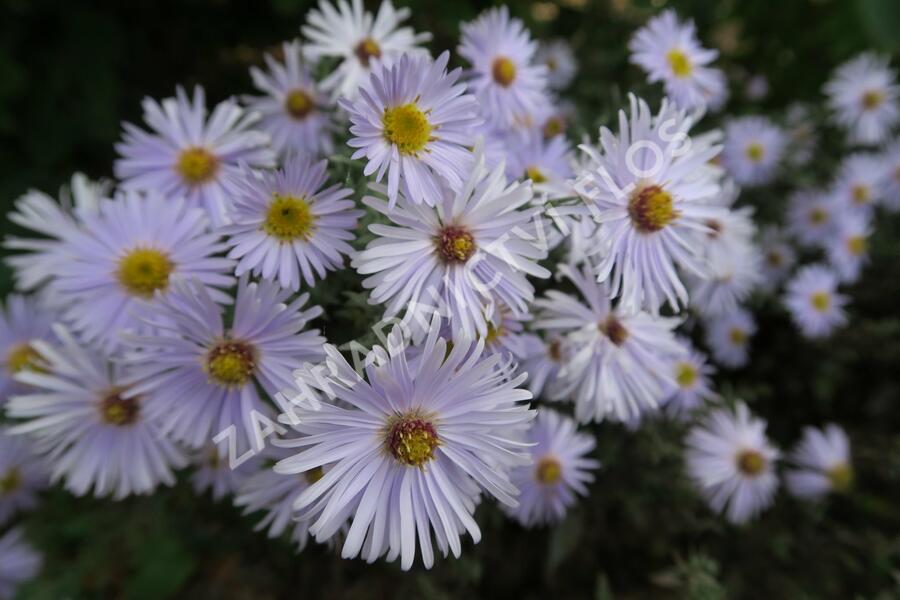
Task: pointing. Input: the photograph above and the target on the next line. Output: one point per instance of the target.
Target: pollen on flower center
(841, 477)
(119, 411)
(548, 471)
(494, 333)
(24, 357)
(407, 127)
(411, 439)
(685, 374)
(554, 126)
(535, 175)
(856, 245)
(299, 104)
(614, 330)
(755, 151)
(11, 481)
(197, 165)
(872, 99)
(651, 208)
(289, 218)
(313, 475)
(861, 194)
(679, 63)
(367, 50)
(737, 336)
(821, 301)
(818, 216)
(142, 271)
(750, 462)
(455, 244)
(504, 71)
(231, 363)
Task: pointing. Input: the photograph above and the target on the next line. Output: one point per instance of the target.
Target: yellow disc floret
(821, 301)
(11, 481)
(755, 151)
(299, 104)
(407, 127)
(535, 175)
(231, 363)
(142, 271)
(411, 439)
(841, 477)
(686, 374)
(23, 357)
(651, 208)
(548, 471)
(119, 411)
(679, 63)
(289, 218)
(750, 462)
(366, 50)
(504, 71)
(197, 165)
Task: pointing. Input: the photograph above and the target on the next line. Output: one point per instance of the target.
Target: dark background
(71, 72)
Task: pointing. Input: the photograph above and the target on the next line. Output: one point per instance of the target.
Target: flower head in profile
(200, 376)
(778, 257)
(352, 35)
(620, 362)
(23, 474)
(127, 251)
(94, 433)
(728, 337)
(733, 463)
(19, 562)
(848, 249)
(669, 51)
(414, 122)
(821, 463)
(754, 149)
(863, 95)
(464, 258)
(294, 112)
(860, 183)
(813, 301)
(411, 444)
(560, 471)
(812, 215)
(560, 61)
(693, 375)
(187, 155)
(505, 75)
(287, 228)
(542, 359)
(651, 191)
(24, 320)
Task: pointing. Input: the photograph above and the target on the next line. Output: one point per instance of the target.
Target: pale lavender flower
(19, 562)
(734, 271)
(848, 249)
(542, 360)
(812, 215)
(24, 320)
(728, 337)
(859, 184)
(22, 475)
(560, 61)
(813, 301)
(865, 99)
(693, 375)
(754, 150)
(215, 474)
(803, 139)
(821, 463)
(778, 257)
(547, 162)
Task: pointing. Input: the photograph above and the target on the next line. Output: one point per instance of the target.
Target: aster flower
(465, 257)
(621, 362)
(200, 376)
(128, 250)
(813, 301)
(651, 192)
(821, 463)
(669, 51)
(505, 334)
(812, 215)
(754, 149)
(802, 136)
(728, 337)
(560, 471)
(214, 473)
(734, 271)
(891, 179)
(23, 321)
(859, 184)
(414, 440)
(547, 162)
(733, 463)
(94, 433)
(22, 475)
(505, 76)
(189, 156)
(286, 227)
(19, 562)
(350, 34)
(293, 110)
(778, 257)
(542, 361)
(693, 376)
(414, 122)
(863, 95)
(560, 61)
(848, 250)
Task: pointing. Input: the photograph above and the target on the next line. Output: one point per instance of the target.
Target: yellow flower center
(750, 462)
(231, 363)
(821, 301)
(551, 63)
(197, 165)
(504, 71)
(651, 208)
(679, 63)
(755, 151)
(411, 439)
(818, 216)
(367, 50)
(10, 482)
(548, 471)
(23, 357)
(407, 127)
(861, 194)
(494, 333)
(535, 175)
(841, 477)
(872, 99)
(857, 245)
(299, 104)
(289, 218)
(142, 271)
(119, 411)
(313, 475)
(685, 374)
(737, 336)
(614, 330)
(455, 244)
(554, 127)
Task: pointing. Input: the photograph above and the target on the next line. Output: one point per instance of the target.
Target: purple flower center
(614, 330)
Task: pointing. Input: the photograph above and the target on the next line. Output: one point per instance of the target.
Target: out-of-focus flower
(813, 301)
(19, 562)
(560, 61)
(754, 149)
(863, 96)
(821, 463)
(728, 337)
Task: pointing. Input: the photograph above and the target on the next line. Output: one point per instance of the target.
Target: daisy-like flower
(189, 156)
(24, 320)
(735, 270)
(350, 34)
(201, 376)
(812, 215)
(813, 301)
(821, 463)
(128, 250)
(848, 250)
(214, 473)
(669, 51)
(620, 363)
(505, 74)
(891, 180)
(651, 191)
(415, 441)
(560, 471)
(728, 337)
(547, 162)
(803, 139)
(859, 184)
(733, 463)
(413, 121)
(43, 257)
(22, 475)
(504, 335)
(754, 149)
(19, 562)
(693, 376)
(778, 257)
(865, 98)
(94, 432)
(542, 361)
(560, 61)
(287, 228)
(293, 110)
(465, 257)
